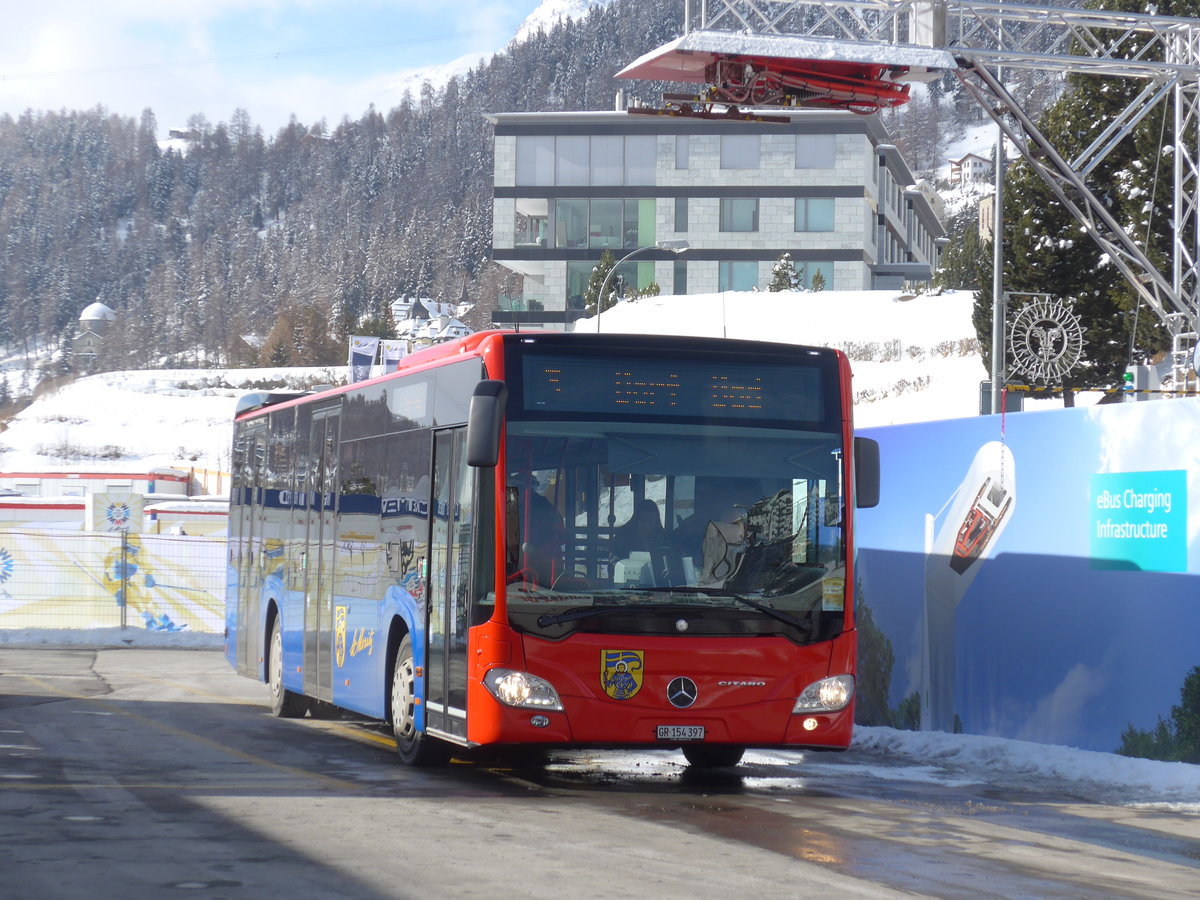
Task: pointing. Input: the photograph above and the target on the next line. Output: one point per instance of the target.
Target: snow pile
(989, 758)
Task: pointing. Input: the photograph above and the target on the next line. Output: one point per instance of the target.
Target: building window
(608, 159)
(739, 151)
(532, 222)
(814, 213)
(816, 151)
(535, 160)
(579, 274)
(680, 273)
(605, 229)
(739, 214)
(681, 213)
(570, 223)
(639, 222)
(601, 224)
(639, 158)
(682, 148)
(583, 160)
(737, 276)
(571, 157)
(808, 271)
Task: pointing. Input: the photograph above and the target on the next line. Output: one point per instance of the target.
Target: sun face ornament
(1046, 340)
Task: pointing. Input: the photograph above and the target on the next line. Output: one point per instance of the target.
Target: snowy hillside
(121, 421)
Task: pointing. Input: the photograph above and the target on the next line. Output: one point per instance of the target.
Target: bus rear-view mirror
(484, 418)
(866, 473)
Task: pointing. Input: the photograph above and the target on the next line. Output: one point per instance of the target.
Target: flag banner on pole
(362, 357)
(393, 352)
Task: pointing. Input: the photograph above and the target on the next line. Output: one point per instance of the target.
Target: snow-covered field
(133, 421)
(914, 360)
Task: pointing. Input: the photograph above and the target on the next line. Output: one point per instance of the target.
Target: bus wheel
(415, 748)
(284, 703)
(713, 756)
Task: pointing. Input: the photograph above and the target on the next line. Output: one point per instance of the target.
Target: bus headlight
(521, 689)
(826, 695)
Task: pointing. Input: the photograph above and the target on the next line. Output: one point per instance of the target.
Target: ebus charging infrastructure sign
(1139, 521)
(1077, 617)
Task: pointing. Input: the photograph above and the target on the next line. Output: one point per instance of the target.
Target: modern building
(826, 187)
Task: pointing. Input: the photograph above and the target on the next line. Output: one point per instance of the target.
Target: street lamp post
(673, 246)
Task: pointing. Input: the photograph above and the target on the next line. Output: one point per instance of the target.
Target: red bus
(560, 540)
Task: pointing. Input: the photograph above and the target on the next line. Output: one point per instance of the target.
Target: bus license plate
(681, 732)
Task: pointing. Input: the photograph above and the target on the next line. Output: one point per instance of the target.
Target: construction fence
(72, 579)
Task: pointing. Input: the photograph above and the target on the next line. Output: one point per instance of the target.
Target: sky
(315, 59)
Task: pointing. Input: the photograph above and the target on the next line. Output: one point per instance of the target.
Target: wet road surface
(146, 773)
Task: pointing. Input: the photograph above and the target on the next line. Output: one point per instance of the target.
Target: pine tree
(596, 281)
(783, 275)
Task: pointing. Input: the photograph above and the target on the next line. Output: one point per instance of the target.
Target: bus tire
(713, 756)
(285, 704)
(414, 747)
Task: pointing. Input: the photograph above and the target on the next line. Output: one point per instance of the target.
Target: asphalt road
(143, 773)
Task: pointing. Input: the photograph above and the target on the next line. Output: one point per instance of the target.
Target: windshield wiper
(778, 614)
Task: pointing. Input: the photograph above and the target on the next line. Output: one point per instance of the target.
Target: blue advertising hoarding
(1035, 576)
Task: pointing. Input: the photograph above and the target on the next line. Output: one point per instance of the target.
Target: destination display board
(698, 388)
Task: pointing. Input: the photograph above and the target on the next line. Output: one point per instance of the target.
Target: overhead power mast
(861, 55)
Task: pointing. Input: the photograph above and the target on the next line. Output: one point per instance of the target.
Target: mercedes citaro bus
(452, 547)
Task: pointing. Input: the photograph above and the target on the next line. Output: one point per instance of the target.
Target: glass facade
(816, 151)
(599, 160)
(816, 273)
(740, 151)
(737, 276)
(739, 214)
(596, 224)
(814, 214)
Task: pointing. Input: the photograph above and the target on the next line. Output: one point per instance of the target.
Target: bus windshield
(642, 527)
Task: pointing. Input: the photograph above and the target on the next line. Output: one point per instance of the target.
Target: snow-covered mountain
(551, 12)
(545, 17)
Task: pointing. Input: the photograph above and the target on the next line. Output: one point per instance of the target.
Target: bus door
(450, 573)
(319, 552)
(249, 545)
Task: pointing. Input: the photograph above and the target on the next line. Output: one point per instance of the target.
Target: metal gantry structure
(981, 38)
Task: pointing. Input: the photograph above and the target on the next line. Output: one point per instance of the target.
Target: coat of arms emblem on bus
(339, 635)
(621, 672)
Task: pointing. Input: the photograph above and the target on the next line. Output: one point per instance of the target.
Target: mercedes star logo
(682, 692)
